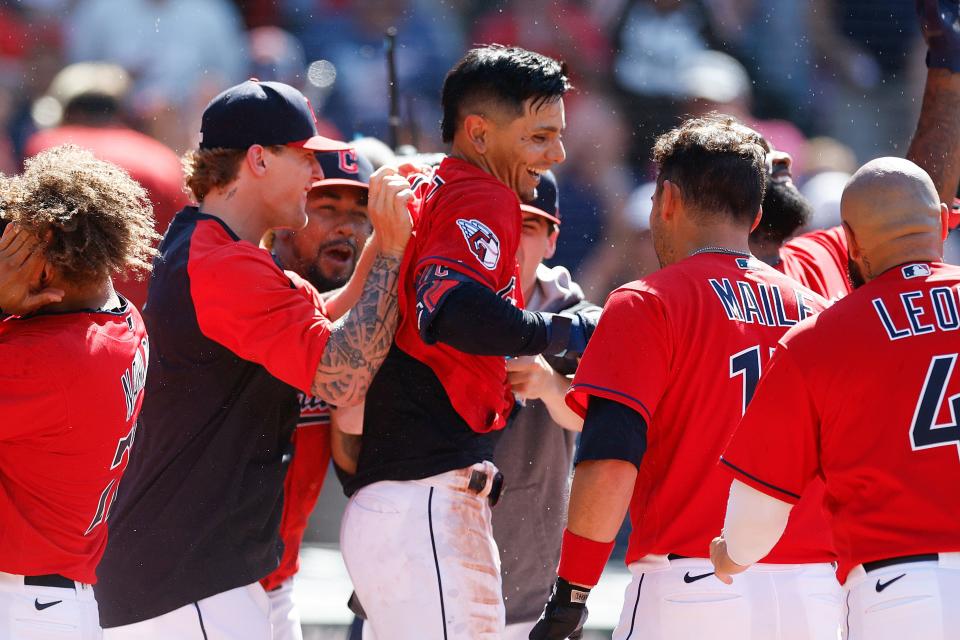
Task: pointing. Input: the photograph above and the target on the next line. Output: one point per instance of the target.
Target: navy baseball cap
(344, 168)
(264, 113)
(547, 202)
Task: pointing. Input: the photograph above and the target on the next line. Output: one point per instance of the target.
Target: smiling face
(291, 173)
(517, 150)
(325, 251)
(538, 242)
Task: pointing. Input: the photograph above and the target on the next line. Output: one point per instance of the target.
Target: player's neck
(237, 211)
(731, 238)
(100, 295)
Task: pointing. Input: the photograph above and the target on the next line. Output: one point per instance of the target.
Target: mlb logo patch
(916, 271)
(482, 242)
(743, 263)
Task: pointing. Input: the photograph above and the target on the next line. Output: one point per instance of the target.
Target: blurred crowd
(832, 82)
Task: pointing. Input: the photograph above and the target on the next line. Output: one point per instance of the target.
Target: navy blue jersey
(233, 339)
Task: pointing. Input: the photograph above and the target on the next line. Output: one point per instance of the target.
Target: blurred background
(832, 82)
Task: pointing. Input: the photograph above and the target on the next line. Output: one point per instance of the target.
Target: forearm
(344, 299)
(345, 449)
(936, 143)
(753, 524)
(553, 399)
(599, 498)
(360, 340)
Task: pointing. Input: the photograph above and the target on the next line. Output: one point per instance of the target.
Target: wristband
(581, 559)
(567, 595)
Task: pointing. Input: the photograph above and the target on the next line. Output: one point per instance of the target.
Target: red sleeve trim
(771, 490)
(577, 394)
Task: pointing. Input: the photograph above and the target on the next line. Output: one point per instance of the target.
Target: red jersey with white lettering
(71, 387)
(867, 397)
(818, 260)
(467, 221)
(684, 347)
(301, 487)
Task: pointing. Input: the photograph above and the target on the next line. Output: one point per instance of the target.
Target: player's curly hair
(93, 219)
(718, 163)
(207, 169)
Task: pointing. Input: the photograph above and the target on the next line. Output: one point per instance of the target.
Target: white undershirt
(753, 524)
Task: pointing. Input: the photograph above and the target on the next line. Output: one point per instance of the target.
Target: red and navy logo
(348, 161)
(482, 242)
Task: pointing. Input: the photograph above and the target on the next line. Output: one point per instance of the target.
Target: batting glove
(940, 22)
(564, 615)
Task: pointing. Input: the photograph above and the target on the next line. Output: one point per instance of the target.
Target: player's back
(708, 323)
(818, 260)
(882, 367)
(72, 388)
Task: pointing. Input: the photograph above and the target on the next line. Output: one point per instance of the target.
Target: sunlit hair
(209, 169)
(94, 220)
(718, 164)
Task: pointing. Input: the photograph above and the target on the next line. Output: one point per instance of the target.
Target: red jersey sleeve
(244, 302)
(30, 394)
(775, 449)
(629, 356)
(473, 231)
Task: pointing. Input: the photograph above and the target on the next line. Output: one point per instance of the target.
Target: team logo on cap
(916, 271)
(482, 242)
(348, 161)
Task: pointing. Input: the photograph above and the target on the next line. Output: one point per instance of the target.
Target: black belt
(675, 556)
(49, 580)
(478, 480)
(880, 564)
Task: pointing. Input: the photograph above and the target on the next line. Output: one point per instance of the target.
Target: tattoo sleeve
(360, 340)
(936, 143)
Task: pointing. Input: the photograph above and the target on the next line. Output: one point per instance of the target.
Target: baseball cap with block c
(547, 202)
(264, 113)
(344, 168)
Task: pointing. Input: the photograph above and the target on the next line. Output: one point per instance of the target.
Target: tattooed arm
(360, 340)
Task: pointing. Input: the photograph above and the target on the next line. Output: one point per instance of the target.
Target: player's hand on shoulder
(564, 615)
(387, 207)
(723, 566)
(22, 290)
(530, 376)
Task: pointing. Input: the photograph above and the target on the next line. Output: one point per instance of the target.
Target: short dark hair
(718, 163)
(508, 76)
(785, 210)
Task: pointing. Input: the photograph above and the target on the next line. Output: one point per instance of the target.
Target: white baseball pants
(422, 558)
(908, 600)
(284, 614)
(238, 614)
(29, 612)
(682, 600)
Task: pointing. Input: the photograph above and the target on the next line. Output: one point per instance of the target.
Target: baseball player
(234, 339)
(416, 534)
(534, 452)
(890, 463)
(325, 253)
(74, 357)
(661, 387)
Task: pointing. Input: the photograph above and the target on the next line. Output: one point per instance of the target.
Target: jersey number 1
(925, 432)
(747, 363)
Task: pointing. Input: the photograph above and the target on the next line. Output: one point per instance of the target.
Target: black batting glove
(940, 22)
(564, 615)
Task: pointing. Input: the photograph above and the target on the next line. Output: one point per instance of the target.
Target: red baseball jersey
(818, 260)
(467, 221)
(71, 387)
(301, 487)
(684, 347)
(867, 397)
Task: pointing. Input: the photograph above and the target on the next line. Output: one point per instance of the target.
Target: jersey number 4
(747, 363)
(925, 432)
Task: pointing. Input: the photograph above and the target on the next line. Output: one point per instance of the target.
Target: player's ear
(944, 221)
(671, 200)
(256, 159)
(756, 219)
(551, 242)
(852, 247)
(475, 127)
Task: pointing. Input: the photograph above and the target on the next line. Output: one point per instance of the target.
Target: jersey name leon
(936, 309)
(758, 303)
